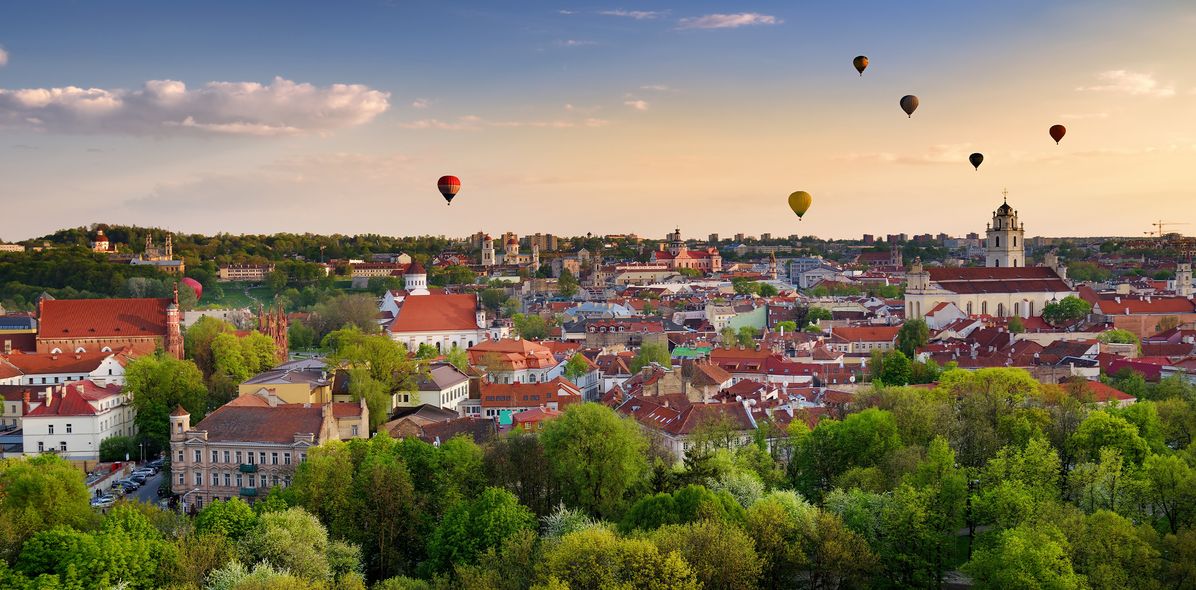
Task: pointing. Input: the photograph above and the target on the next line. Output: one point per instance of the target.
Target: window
(1000, 310)
(180, 456)
(997, 241)
(1015, 243)
(41, 447)
(262, 457)
(50, 429)
(286, 458)
(1030, 309)
(275, 479)
(274, 457)
(238, 480)
(238, 456)
(302, 457)
(198, 456)
(198, 478)
(178, 427)
(262, 481)
(68, 428)
(228, 479)
(354, 429)
(215, 456)
(226, 457)
(983, 308)
(182, 480)
(215, 478)
(1017, 308)
(252, 482)
(250, 458)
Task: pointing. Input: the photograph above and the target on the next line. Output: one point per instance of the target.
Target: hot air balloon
(1057, 133)
(909, 104)
(195, 286)
(976, 159)
(800, 202)
(449, 185)
(861, 63)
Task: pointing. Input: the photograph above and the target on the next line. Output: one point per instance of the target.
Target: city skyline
(595, 118)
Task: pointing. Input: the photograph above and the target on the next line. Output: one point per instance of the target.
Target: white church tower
(1005, 244)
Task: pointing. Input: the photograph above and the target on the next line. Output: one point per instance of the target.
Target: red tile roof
(436, 313)
(866, 333)
(74, 399)
(1134, 305)
(41, 363)
(74, 318)
(519, 395)
(262, 424)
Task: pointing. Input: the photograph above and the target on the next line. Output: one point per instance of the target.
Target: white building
(102, 368)
(73, 419)
(1005, 245)
(441, 321)
(443, 386)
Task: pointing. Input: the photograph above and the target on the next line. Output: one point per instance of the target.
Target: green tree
(119, 448)
(36, 494)
(228, 358)
(817, 314)
(291, 540)
(1016, 326)
(567, 283)
(1110, 553)
(426, 351)
(1102, 429)
(577, 367)
(158, 384)
(1070, 308)
(1024, 557)
(358, 310)
(517, 462)
(300, 336)
(1171, 488)
(651, 353)
(458, 357)
(197, 341)
(746, 335)
(766, 290)
(530, 326)
(596, 559)
(1117, 336)
(837, 556)
(597, 457)
(470, 528)
(912, 335)
(786, 326)
(778, 524)
(721, 556)
(231, 518)
(895, 368)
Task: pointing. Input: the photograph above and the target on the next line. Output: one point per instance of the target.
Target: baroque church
(1004, 287)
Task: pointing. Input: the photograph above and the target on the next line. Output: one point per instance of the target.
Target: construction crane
(1159, 225)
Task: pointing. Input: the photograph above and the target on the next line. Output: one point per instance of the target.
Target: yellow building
(297, 382)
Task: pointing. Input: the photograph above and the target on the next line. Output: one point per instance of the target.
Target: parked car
(129, 484)
(157, 463)
(145, 472)
(103, 501)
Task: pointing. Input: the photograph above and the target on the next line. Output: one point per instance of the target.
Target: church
(510, 255)
(1004, 287)
(676, 256)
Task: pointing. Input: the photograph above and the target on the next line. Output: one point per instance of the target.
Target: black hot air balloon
(909, 104)
(1057, 133)
(861, 63)
(449, 185)
(976, 159)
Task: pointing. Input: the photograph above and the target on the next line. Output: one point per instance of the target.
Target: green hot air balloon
(861, 63)
(909, 104)
(800, 202)
(976, 159)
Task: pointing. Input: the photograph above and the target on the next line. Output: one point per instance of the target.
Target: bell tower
(1005, 241)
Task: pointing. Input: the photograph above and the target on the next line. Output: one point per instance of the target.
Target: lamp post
(142, 445)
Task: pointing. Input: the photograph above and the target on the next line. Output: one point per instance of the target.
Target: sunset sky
(572, 118)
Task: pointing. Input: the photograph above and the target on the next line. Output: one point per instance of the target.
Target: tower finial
(1005, 194)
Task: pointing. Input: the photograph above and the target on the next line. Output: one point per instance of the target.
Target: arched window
(997, 241)
(1030, 309)
(983, 308)
(1000, 310)
(969, 308)
(80, 349)
(996, 262)
(56, 351)
(1015, 263)
(106, 349)
(1017, 308)
(1015, 243)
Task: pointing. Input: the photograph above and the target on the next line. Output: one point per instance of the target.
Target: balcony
(248, 491)
(248, 468)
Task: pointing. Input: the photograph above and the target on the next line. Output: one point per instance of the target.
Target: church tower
(675, 243)
(535, 257)
(1183, 279)
(415, 280)
(772, 265)
(1005, 245)
(487, 251)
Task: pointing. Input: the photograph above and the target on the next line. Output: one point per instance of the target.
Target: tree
(766, 290)
(517, 462)
(816, 314)
(119, 448)
(228, 358)
(577, 367)
(786, 326)
(778, 525)
(838, 557)
(470, 528)
(359, 310)
(1024, 557)
(197, 341)
(458, 357)
(1070, 308)
(721, 556)
(36, 494)
(1016, 326)
(1109, 553)
(1171, 485)
(231, 518)
(912, 335)
(530, 326)
(426, 351)
(651, 353)
(567, 283)
(277, 280)
(1102, 429)
(292, 540)
(727, 336)
(746, 335)
(596, 456)
(1117, 336)
(493, 299)
(895, 368)
(300, 336)
(158, 384)
(596, 559)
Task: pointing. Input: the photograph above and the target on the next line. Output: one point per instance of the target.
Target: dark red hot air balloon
(195, 286)
(976, 159)
(1057, 133)
(449, 185)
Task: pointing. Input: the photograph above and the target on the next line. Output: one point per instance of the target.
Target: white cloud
(639, 105)
(955, 153)
(168, 107)
(1133, 83)
(635, 14)
(566, 12)
(1100, 115)
(3, 57)
(475, 123)
(658, 88)
(420, 103)
(574, 43)
(728, 21)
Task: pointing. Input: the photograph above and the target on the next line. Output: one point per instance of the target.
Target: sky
(258, 117)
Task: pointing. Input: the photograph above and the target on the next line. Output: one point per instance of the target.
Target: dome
(416, 269)
(1005, 209)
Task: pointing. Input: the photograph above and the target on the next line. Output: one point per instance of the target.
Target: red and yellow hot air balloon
(1057, 133)
(448, 185)
(861, 63)
(800, 203)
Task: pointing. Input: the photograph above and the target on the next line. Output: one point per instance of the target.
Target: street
(147, 493)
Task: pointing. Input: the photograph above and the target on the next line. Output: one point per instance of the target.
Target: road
(148, 493)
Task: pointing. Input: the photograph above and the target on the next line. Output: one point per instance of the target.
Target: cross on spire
(1005, 194)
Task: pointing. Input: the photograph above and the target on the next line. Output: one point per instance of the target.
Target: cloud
(475, 123)
(1084, 116)
(3, 57)
(566, 12)
(658, 88)
(169, 107)
(635, 14)
(1133, 83)
(953, 153)
(727, 21)
(420, 103)
(639, 105)
(574, 43)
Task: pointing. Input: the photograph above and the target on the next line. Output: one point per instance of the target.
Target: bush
(119, 448)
